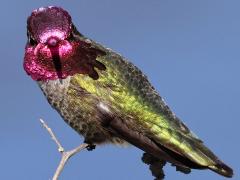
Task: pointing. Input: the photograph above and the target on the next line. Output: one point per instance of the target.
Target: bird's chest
(77, 107)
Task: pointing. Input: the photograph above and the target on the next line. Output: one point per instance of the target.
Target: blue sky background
(190, 52)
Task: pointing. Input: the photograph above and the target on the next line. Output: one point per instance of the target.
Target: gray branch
(65, 154)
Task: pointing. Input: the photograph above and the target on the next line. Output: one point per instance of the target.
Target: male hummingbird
(104, 97)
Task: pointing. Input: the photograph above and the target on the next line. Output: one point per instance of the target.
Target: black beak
(56, 61)
(53, 44)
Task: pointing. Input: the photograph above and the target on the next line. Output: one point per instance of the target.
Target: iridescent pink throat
(49, 62)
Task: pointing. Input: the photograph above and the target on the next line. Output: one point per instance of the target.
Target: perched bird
(104, 97)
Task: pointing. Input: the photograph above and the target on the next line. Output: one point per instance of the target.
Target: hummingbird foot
(183, 170)
(90, 146)
(155, 166)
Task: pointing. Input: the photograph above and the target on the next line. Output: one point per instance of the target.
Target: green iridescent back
(128, 93)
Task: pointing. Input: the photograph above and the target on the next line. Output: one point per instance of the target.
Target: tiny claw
(91, 147)
(184, 170)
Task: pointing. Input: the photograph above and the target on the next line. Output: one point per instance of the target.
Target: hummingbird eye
(30, 39)
(70, 37)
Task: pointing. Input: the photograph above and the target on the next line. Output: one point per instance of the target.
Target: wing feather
(141, 116)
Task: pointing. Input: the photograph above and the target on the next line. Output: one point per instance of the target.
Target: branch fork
(66, 155)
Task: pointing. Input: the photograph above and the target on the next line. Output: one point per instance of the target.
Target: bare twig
(54, 138)
(65, 154)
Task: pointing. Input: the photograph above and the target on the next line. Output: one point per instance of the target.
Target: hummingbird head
(53, 51)
(49, 25)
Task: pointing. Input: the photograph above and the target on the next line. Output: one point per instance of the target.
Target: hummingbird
(104, 97)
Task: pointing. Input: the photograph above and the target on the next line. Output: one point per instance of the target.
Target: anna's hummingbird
(104, 97)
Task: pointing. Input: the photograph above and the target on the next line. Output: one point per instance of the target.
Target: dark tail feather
(222, 169)
(219, 167)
